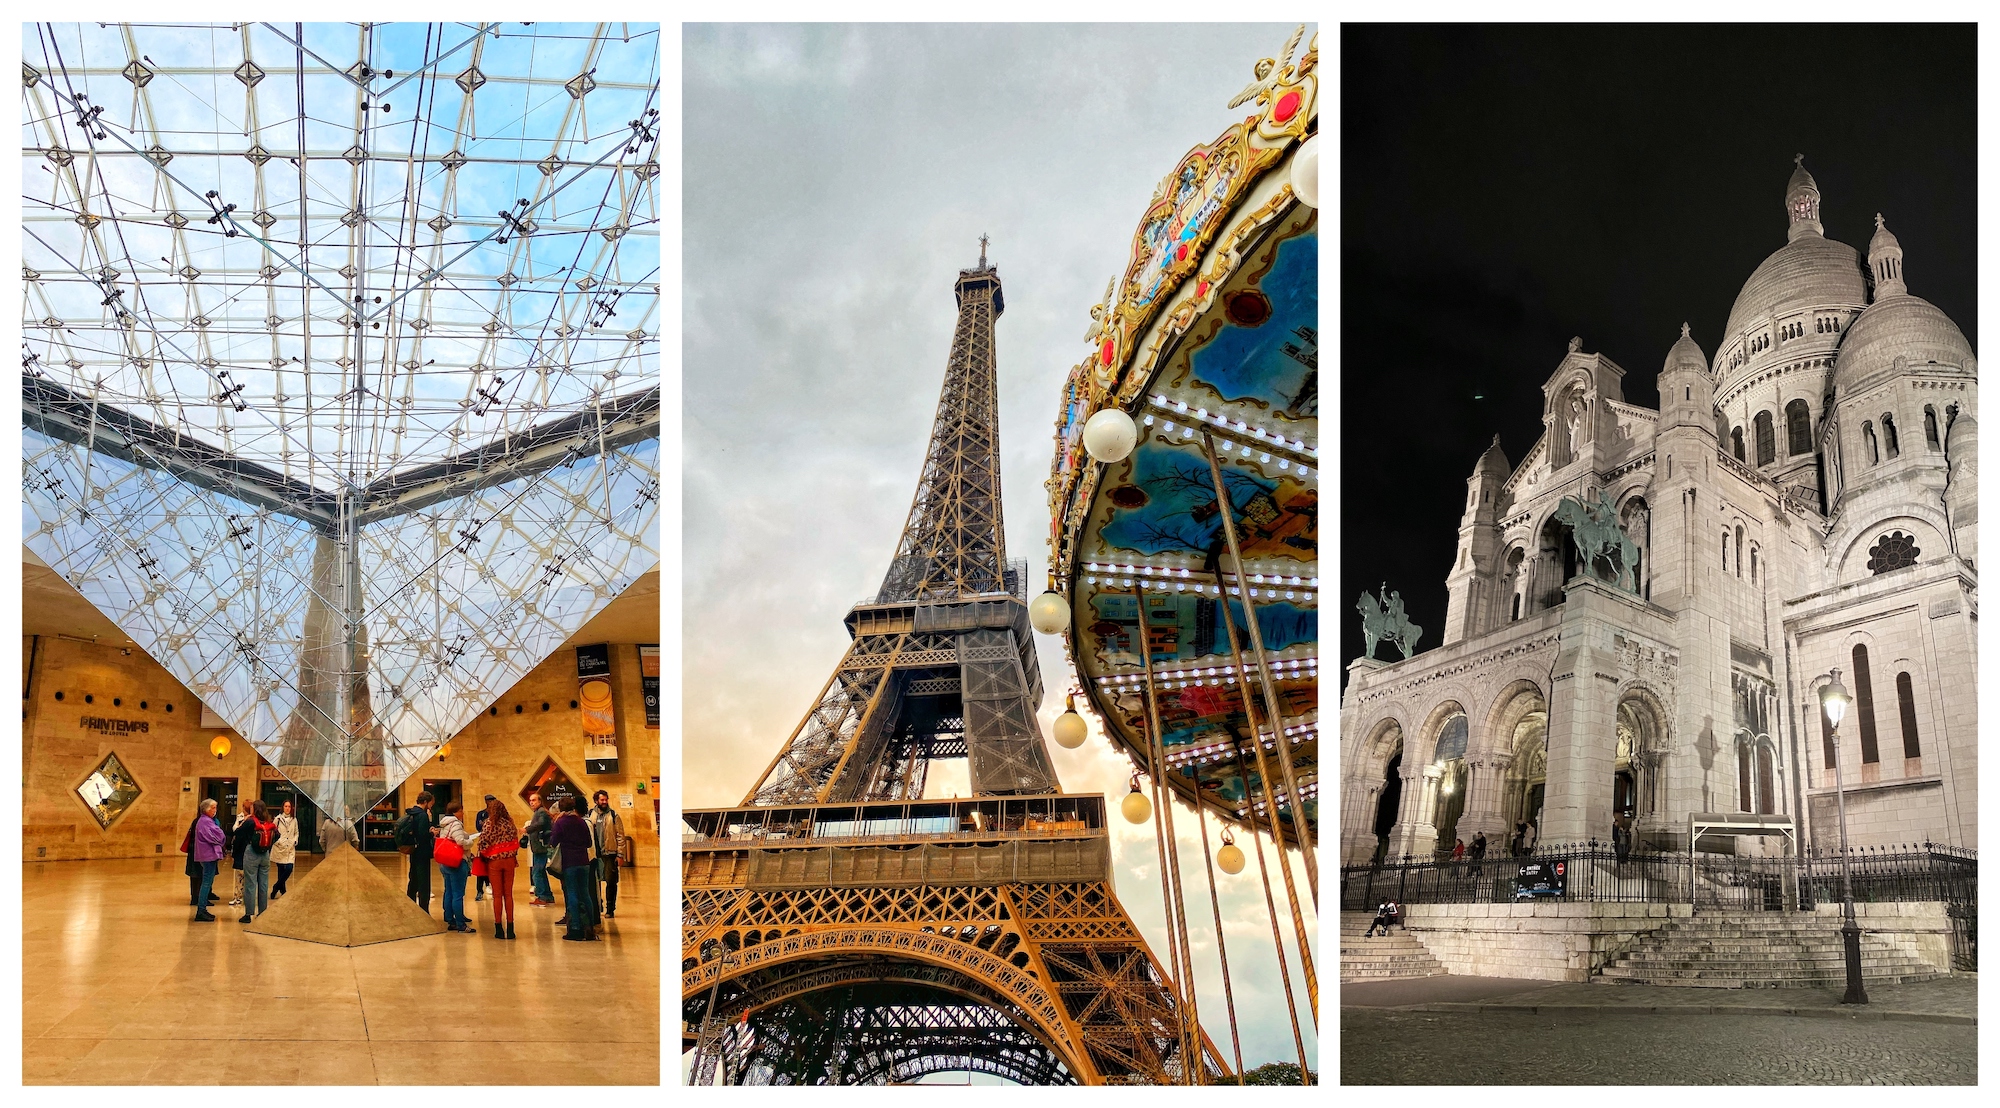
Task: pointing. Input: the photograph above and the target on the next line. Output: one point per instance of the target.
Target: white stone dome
(1903, 326)
(1810, 270)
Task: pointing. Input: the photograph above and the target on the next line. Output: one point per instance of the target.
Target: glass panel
(348, 427)
(109, 791)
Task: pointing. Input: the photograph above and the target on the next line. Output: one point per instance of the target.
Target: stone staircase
(1379, 956)
(1760, 950)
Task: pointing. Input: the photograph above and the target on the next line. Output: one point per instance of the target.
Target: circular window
(59, 695)
(517, 709)
(572, 703)
(1892, 551)
(142, 705)
(545, 705)
(170, 707)
(117, 702)
(89, 698)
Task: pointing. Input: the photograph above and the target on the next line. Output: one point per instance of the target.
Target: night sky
(1505, 188)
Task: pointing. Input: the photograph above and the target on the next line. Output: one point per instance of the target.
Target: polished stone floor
(118, 987)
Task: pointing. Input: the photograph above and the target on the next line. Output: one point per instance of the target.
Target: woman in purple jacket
(208, 842)
(571, 837)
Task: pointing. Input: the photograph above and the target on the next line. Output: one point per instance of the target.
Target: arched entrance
(1520, 728)
(1389, 800)
(1635, 771)
(1448, 780)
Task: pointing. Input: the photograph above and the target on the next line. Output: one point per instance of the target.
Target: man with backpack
(415, 838)
(259, 834)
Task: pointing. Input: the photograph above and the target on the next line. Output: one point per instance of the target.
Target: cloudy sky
(835, 180)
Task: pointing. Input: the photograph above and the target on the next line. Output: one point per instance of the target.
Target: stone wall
(1571, 942)
(1547, 942)
(497, 753)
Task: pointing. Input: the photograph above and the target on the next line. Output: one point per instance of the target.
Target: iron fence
(1593, 872)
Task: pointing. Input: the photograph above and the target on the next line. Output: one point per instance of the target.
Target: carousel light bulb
(1230, 857)
(1049, 613)
(1137, 808)
(1110, 435)
(1069, 728)
(1305, 172)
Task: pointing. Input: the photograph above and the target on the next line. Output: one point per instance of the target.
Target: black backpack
(406, 831)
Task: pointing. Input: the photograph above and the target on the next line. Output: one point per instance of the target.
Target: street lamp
(1833, 701)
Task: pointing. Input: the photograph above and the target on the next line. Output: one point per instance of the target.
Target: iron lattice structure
(839, 929)
(942, 662)
(340, 389)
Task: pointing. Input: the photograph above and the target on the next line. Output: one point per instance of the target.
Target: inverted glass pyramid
(343, 454)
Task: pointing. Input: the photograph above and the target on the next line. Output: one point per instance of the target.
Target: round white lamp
(1110, 435)
(1049, 613)
(1305, 172)
(1230, 857)
(1069, 729)
(1136, 807)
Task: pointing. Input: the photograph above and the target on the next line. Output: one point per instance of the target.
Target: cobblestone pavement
(1611, 1047)
(1953, 999)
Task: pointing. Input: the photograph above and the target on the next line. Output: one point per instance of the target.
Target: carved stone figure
(1594, 528)
(1380, 620)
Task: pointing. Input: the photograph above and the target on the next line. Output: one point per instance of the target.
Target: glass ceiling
(340, 382)
(395, 316)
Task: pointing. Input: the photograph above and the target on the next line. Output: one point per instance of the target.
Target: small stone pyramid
(345, 901)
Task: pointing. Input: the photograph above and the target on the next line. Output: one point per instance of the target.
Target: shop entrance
(274, 794)
(443, 791)
(553, 784)
(222, 790)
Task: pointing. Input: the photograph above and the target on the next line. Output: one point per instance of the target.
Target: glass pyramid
(343, 454)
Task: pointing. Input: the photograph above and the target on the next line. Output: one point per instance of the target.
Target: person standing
(209, 846)
(572, 837)
(192, 868)
(237, 841)
(260, 835)
(478, 827)
(1528, 836)
(285, 854)
(1478, 853)
(500, 845)
(536, 834)
(451, 830)
(415, 838)
(608, 832)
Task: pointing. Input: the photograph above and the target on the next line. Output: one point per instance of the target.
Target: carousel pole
(1271, 710)
(1156, 755)
(1221, 948)
(1271, 909)
(1277, 837)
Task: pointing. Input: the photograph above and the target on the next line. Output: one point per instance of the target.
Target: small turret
(1687, 397)
(1885, 261)
(1471, 585)
(1802, 202)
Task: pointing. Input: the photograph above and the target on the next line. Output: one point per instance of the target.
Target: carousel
(1193, 632)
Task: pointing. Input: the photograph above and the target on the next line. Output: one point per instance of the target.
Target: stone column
(1485, 778)
(1583, 724)
(1414, 834)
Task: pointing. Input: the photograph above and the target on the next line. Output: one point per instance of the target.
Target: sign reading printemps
(103, 726)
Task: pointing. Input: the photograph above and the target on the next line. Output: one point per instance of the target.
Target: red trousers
(500, 877)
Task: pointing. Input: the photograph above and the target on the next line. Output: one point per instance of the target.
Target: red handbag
(448, 853)
(479, 867)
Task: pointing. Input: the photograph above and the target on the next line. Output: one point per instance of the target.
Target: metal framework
(942, 657)
(331, 419)
(839, 929)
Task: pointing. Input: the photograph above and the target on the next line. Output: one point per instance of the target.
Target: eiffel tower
(837, 927)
